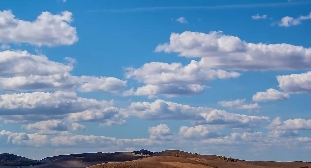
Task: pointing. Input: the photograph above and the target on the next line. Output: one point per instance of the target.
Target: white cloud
(230, 52)
(107, 116)
(108, 84)
(164, 73)
(174, 79)
(182, 20)
(63, 107)
(246, 138)
(169, 90)
(22, 139)
(160, 132)
(22, 71)
(283, 133)
(231, 120)
(257, 16)
(54, 125)
(270, 95)
(22, 63)
(47, 29)
(239, 104)
(288, 21)
(12, 136)
(295, 83)
(164, 110)
(77, 126)
(76, 140)
(290, 124)
(67, 139)
(199, 132)
(44, 102)
(161, 129)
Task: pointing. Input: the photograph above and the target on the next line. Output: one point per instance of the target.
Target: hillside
(7, 159)
(143, 159)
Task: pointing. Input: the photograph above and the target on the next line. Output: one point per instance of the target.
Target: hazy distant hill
(7, 159)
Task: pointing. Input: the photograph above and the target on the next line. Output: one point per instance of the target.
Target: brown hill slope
(178, 159)
(157, 162)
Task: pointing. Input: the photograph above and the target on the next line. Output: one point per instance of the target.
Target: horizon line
(231, 6)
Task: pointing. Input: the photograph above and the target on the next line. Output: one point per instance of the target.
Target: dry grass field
(169, 159)
(157, 162)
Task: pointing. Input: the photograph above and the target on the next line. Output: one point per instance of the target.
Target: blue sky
(210, 77)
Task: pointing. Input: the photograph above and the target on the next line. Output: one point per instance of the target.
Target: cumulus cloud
(13, 137)
(22, 139)
(288, 21)
(23, 63)
(164, 110)
(231, 120)
(182, 20)
(61, 106)
(239, 104)
(107, 116)
(67, 139)
(169, 90)
(199, 132)
(237, 138)
(270, 95)
(295, 83)
(283, 133)
(290, 124)
(160, 132)
(230, 52)
(164, 73)
(58, 102)
(47, 29)
(109, 84)
(30, 118)
(174, 79)
(54, 125)
(22, 71)
(257, 16)
(77, 126)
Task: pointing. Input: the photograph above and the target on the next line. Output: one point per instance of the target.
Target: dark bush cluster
(230, 159)
(144, 152)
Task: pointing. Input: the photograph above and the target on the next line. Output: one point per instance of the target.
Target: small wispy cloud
(288, 21)
(215, 7)
(239, 104)
(257, 16)
(182, 20)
